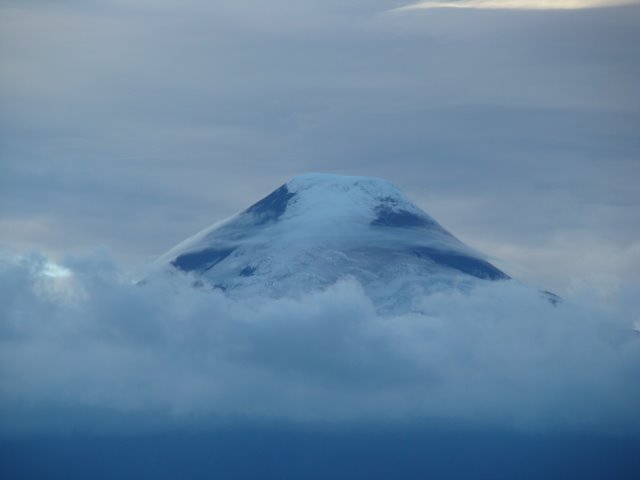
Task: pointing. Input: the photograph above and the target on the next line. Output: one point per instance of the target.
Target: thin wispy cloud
(521, 4)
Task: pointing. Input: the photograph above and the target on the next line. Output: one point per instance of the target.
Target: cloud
(521, 4)
(518, 135)
(130, 124)
(80, 350)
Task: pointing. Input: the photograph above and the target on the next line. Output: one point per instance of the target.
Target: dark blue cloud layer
(275, 451)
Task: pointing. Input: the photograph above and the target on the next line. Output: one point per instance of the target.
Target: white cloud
(521, 4)
(500, 356)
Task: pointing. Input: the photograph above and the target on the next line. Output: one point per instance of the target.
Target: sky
(134, 124)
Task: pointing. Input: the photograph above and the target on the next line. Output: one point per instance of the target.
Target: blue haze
(277, 452)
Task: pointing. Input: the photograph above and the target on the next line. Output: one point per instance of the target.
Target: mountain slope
(317, 229)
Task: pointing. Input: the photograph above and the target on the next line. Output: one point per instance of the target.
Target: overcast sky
(133, 124)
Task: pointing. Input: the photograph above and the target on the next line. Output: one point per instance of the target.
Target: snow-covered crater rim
(330, 182)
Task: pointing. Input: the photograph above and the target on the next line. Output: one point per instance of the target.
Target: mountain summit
(317, 229)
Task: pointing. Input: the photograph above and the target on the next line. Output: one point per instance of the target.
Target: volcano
(318, 229)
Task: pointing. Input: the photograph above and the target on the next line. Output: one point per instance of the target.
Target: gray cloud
(135, 124)
(501, 356)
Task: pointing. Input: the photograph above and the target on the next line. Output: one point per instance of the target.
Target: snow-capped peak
(315, 201)
(317, 229)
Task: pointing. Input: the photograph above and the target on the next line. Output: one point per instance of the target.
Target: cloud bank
(82, 346)
(522, 4)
